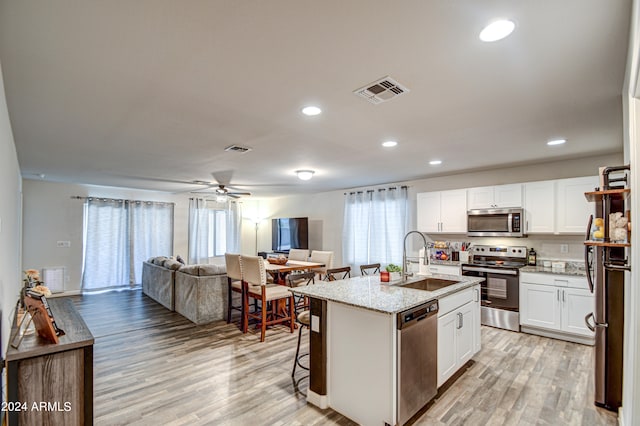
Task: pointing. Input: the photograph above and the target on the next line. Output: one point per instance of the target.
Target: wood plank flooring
(153, 366)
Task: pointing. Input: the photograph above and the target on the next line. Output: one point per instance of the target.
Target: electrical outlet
(564, 248)
(65, 244)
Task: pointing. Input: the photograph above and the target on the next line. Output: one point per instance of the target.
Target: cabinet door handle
(558, 294)
(459, 320)
(563, 296)
(477, 295)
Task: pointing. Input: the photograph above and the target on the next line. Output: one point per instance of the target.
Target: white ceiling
(148, 93)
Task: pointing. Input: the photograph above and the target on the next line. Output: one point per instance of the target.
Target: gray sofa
(197, 292)
(201, 293)
(158, 280)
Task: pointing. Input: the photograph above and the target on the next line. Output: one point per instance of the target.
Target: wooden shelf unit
(616, 194)
(605, 244)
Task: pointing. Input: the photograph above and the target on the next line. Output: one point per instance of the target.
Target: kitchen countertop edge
(571, 271)
(389, 298)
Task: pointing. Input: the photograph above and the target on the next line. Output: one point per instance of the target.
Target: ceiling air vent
(237, 148)
(381, 91)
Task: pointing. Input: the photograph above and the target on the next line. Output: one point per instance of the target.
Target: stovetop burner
(499, 256)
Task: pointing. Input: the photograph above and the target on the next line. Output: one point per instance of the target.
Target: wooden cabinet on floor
(52, 384)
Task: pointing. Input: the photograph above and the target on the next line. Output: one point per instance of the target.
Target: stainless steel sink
(429, 284)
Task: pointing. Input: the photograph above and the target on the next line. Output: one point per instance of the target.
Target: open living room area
(296, 213)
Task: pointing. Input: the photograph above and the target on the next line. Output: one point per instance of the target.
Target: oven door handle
(489, 271)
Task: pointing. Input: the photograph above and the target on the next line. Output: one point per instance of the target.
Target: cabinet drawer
(454, 301)
(557, 280)
(444, 269)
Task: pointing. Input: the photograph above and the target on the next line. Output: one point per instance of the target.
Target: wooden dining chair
(234, 285)
(257, 288)
(299, 280)
(338, 273)
(371, 269)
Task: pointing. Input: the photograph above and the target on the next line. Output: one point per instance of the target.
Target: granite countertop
(390, 298)
(572, 269)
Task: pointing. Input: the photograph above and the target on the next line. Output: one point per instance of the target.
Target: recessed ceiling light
(497, 30)
(311, 110)
(435, 162)
(305, 174)
(556, 142)
(389, 144)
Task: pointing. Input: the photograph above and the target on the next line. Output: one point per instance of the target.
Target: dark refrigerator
(606, 264)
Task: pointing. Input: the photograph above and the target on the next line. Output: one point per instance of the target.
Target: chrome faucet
(405, 268)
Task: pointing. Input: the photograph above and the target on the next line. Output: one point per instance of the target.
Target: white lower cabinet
(458, 332)
(445, 269)
(555, 306)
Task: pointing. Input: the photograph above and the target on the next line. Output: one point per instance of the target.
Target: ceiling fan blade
(238, 193)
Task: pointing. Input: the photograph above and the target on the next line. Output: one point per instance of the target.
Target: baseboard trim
(583, 340)
(319, 401)
(66, 293)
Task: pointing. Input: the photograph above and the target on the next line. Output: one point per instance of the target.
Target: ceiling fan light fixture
(304, 174)
(221, 198)
(497, 30)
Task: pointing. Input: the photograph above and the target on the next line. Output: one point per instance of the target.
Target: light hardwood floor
(153, 366)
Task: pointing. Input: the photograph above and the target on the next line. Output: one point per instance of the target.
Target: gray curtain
(375, 222)
(198, 231)
(234, 226)
(118, 236)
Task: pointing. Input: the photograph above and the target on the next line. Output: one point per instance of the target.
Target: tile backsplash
(547, 247)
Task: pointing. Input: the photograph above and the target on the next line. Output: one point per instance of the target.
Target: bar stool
(234, 285)
(304, 320)
(373, 269)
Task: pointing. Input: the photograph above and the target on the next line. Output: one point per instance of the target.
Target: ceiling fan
(221, 192)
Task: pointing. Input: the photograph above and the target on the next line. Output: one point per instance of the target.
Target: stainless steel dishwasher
(417, 358)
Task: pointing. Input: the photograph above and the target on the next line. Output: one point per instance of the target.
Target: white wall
(10, 216)
(50, 215)
(326, 210)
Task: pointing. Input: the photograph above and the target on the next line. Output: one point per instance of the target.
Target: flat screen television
(289, 233)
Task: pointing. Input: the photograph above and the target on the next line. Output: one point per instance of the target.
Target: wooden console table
(51, 384)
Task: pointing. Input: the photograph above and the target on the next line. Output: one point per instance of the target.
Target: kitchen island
(354, 340)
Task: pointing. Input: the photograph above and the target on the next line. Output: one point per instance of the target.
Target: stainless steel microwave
(495, 222)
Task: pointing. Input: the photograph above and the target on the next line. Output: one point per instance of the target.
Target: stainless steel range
(500, 267)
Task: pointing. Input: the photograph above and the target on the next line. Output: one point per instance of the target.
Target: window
(214, 229)
(217, 233)
(118, 236)
(375, 223)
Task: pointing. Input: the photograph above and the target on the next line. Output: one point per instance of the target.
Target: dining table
(280, 272)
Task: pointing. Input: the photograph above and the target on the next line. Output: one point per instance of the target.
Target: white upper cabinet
(572, 208)
(501, 196)
(558, 206)
(540, 207)
(443, 211)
